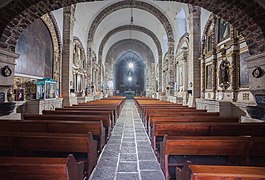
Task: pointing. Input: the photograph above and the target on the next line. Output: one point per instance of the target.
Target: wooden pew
(190, 118)
(184, 112)
(26, 168)
(84, 108)
(204, 129)
(218, 150)
(106, 120)
(87, 112)
(46, 126)
(207, 172)
(98, 106)
(82, 146)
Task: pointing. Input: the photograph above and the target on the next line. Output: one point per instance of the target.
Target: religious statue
(224, 71)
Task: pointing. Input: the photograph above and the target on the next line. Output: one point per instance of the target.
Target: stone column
(185, 79)
(195, 41)
(203, 76)
(234, 65)
(214, 80)
(67, 58)
(160, 71)
(171, 66)
(7, 59)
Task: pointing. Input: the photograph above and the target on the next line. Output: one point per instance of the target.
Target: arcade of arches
(207, 54)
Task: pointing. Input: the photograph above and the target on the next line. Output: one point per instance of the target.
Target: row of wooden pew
(201, 141)
(61, 144)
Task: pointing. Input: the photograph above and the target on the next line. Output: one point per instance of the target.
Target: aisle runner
(128, 154)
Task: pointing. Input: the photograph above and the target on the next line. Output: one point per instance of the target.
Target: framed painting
(223, 30)
(209, 77)
(244, 78)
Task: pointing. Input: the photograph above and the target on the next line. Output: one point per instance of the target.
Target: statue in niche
(77, 55)
(224, 71)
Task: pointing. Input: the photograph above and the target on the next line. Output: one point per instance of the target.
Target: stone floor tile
(100, 174)
(149, 165)
(128, 176)
(128, 157)
(146, 156)
(152, 175)
(128, 154)
(127, 167)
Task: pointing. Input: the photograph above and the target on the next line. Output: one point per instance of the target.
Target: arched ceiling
(244, 15)
(124, 35)
(122, 17)
(140, 48)
(130, 28)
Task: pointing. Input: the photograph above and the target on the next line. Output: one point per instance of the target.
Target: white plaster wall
(123, 17)
(170, 9)
(86, 12)
(135, 35)
(205, 14)
(58, 15)
(84, 15)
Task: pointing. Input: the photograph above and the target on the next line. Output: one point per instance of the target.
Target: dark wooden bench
(25, 168)
(106, 120)
(204, 129)
(47, 126)
(98, 106)
(213, 150)
(83, 147)
(183, 113)
(84, 108)
(190, 118)
(208, 172)
(87, 112)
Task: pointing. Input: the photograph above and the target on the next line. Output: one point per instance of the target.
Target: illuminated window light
(130, 65)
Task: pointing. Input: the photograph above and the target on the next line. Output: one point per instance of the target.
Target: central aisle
(128, 154)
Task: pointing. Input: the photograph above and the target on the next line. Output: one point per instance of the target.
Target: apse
(129, 75)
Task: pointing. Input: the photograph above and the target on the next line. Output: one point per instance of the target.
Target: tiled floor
(128, 154)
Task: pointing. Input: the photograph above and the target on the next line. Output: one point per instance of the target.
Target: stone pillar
(7, 59)
(203, 77)
(214, 80)
(171, 67)
(160, 71)
(234, 65)
(195, 41)
(67, 58)
(185, 80)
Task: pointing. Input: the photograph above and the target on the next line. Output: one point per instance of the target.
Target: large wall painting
(244, 78)
(36, 51)
(209, 77)
(223, 30)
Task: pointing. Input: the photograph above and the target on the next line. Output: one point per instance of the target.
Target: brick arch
(127, 44)
(134, 28)
(52, 25)
(131, 4)
(138, 47)
(245, 16)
